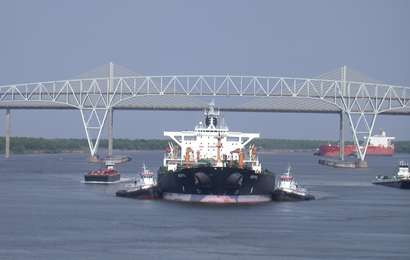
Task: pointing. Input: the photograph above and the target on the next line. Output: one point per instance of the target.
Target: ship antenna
(289, 169)
(212, 103)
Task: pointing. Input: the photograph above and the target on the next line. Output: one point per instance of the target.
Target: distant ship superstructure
(380, 144)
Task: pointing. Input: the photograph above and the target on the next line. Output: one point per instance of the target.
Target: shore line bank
(30, 145)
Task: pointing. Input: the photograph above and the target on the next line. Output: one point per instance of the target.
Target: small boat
(144, 187)
(104, 175)
(400, 180)
(287, 189)
(117, 159)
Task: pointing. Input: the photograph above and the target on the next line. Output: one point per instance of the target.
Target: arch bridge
(96, 94)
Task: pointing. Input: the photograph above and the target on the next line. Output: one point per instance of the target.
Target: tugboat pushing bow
(289, 190)
(143, 188)
(400, 180)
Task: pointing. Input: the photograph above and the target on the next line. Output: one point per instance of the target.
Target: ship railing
(403, 164)
(174, 160)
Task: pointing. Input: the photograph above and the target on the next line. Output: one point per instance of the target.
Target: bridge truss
(95, 97)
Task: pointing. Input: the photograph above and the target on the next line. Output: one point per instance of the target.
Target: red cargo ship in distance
(332, 150)
(378, 145)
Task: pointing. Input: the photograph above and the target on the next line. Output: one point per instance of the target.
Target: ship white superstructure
(147, 178)
(403, 171)
(381, 140)
(213, 142)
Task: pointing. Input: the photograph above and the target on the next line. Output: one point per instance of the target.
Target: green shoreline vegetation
(26, 145)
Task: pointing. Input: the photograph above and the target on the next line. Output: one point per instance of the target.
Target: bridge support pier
(110, 130)
(7, 133)
(361, 163)
(341, 136)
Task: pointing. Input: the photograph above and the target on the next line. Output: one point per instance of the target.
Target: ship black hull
(280, 195)
(217, 185)
(102, 178)
(401, 184)
(147, 194)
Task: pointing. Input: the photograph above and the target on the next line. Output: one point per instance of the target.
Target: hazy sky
(51, 40)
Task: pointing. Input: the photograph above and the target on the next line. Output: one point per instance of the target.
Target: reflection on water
(47, 213)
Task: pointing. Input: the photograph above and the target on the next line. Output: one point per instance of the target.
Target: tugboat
(143, 188)
(288, 189)
(213, 165)
(105, 175)
(400, 180)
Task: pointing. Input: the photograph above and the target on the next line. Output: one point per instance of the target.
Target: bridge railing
(114, 90)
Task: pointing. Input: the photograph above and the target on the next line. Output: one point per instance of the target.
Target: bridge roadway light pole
(7, 133)
(341, 137)
(342, 117)
(110, 112)
(110, 131)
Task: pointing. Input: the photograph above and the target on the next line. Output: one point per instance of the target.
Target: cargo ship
(400, 180)
(214, 165)
(378, 145)
(103, 175)
(144, 187)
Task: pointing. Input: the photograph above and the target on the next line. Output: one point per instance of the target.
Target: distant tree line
(287, 144)
(402, 146)
(20, 145)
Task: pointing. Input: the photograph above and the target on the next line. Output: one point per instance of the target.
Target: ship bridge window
(232, 139)
(190, 138)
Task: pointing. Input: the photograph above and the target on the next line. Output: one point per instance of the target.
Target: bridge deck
(260, 104)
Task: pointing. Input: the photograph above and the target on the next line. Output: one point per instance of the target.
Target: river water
(47, 213)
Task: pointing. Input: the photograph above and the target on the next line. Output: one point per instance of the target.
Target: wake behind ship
(212, 164)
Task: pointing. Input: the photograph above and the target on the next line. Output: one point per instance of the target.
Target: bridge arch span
(360, 102)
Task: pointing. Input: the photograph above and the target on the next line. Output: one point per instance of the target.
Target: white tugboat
(145, 187)
(288, 189)
(400, 180)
